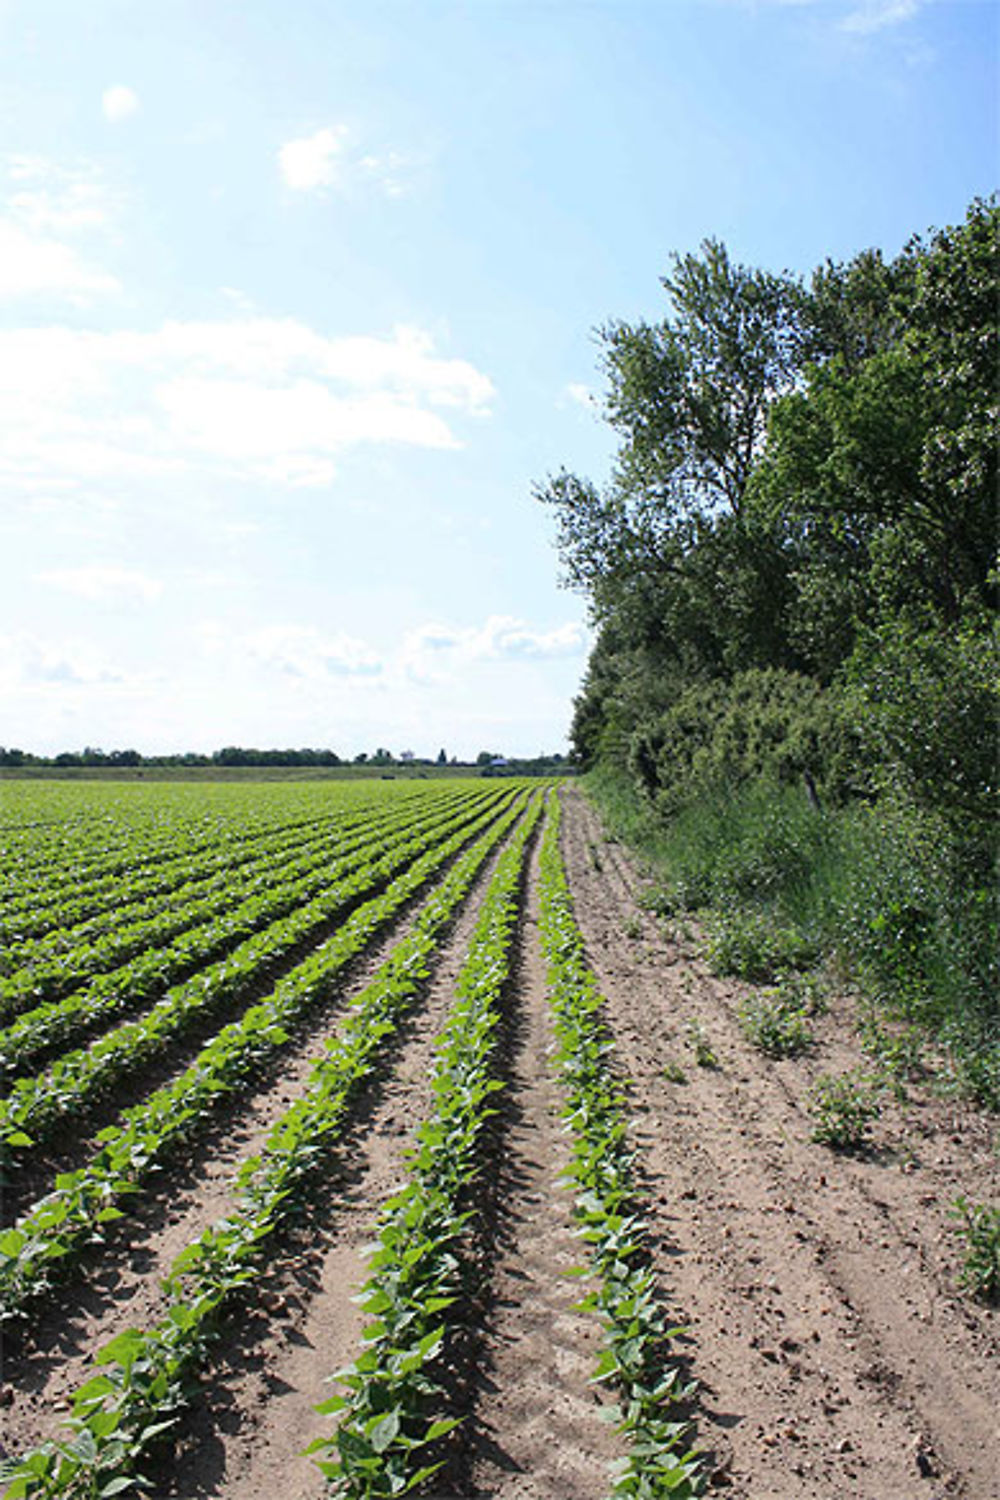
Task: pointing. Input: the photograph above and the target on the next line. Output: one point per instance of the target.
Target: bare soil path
(536, 1433)
(834, 1354)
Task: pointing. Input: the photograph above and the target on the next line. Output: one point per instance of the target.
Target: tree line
(792, 568)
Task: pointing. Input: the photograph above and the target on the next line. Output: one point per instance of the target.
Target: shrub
(766, 723)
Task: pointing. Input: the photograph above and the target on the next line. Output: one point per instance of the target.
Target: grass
(906, 905)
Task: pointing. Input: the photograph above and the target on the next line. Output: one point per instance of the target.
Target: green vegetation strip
(636, 1332)
(35, 894)
(59, 1023)
(192, 925)
(78, 921)
(396, 1406)
(85, 1200)
(118, 1413)
(36, 1105)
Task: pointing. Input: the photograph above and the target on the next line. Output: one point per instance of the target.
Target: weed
(595, 857)
(674, 1073)
(704, 1054)
(658, 900)
(898, 1053)
(774, 1025)
(633, 928)
(979, 1226)
(843, 1106)
(748, 945)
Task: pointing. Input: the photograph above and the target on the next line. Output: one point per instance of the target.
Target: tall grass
(907, 907)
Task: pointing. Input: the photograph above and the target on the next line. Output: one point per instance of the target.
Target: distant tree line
(486, 763)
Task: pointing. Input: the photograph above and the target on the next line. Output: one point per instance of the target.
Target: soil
(833, 1352)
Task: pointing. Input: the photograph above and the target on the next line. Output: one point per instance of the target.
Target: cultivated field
(403, 1083)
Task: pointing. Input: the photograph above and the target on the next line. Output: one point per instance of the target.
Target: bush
(765, 724)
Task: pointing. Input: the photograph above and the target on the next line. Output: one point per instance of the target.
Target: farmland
(405, 1084)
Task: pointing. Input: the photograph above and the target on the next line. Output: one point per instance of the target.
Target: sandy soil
(834, 1354)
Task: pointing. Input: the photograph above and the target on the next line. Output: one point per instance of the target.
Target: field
(408, 1085)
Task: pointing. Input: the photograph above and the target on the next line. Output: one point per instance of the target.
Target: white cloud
(328, 159)
(875, 15)
(43, 200)
(26, 662)
(305, 652)
(434, 650)
(581, 394)
(107, 585)
(313, 161)
(264, 398)
(32, 266)
(118, 103)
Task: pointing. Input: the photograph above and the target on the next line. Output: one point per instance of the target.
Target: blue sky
(297, 304)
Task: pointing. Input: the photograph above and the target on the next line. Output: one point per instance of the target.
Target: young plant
(704, 1053)
(843, 1106)
(774, 1023)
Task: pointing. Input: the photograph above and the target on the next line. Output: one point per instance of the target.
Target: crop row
(396, 1408)
(85, 1199)
(66, 959)
(636, 1360)
(119, 1412)
(70, 919)
(54, 975)
(141, 856)
(36, 1104)
(59, 1023)
(40, 870)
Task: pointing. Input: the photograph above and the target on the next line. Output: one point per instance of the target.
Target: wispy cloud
(305, 652)
(42, 203)
(32, 266)
(436, 650)
(104, 585)
(27, 661)
(876, 15)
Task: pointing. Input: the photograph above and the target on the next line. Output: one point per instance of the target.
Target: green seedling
(704, 1053)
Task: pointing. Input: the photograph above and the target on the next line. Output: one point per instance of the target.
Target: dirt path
(536, 1431)
(833, 1352)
